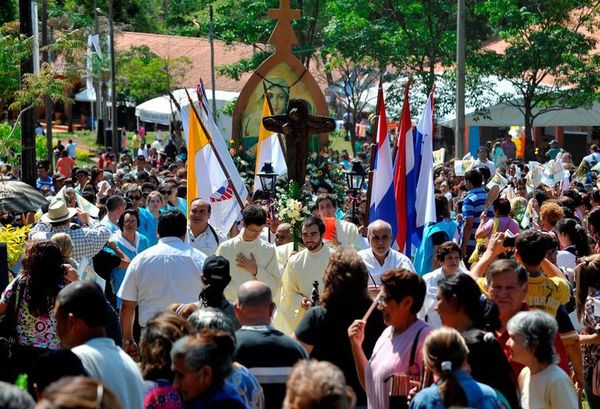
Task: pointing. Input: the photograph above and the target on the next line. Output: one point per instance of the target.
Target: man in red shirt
(507, 287)
(65, 164)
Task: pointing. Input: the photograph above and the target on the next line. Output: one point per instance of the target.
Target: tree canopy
(550, 56)
(144, 75)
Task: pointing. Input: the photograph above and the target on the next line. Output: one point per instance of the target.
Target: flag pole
(212, 145)
(406, 90)
(174, 101)
(279, 136)
(373, 153)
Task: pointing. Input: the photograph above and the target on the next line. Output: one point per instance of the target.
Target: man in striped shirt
(473, 206)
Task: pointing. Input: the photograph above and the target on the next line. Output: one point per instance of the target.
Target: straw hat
(58, 212)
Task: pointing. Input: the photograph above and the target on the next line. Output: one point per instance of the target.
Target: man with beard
(301, 271)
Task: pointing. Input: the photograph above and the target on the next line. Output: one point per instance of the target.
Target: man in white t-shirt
(80, 311)
(166, 273)
(482, 160)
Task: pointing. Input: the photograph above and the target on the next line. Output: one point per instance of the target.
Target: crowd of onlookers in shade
(127, 296)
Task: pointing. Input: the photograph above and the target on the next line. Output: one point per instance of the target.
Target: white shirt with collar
(207, 242)
(432, 282)
(164, 274)
(394, 259)
(487, 163)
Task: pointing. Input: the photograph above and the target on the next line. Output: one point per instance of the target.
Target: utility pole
(211, 39)
(113, 84)
(459, 132)
(35, 37)
(100, 134)
(28, 168)
(47, 101)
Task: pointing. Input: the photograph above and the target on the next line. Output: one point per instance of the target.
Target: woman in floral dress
(34, 292)
(588, 312)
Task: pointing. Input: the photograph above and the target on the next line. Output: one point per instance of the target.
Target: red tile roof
(198, 50)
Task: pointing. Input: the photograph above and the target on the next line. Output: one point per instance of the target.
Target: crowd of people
(127, 298)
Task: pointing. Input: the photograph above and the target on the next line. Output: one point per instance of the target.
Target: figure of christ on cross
(297, 125)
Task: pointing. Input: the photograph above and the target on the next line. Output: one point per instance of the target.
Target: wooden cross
(283, 36)
(297, 125)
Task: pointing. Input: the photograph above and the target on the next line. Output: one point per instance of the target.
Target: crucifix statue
(297, 125)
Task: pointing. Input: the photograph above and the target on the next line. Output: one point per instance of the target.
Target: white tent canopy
(160, 110)
(505, 115)
(86, 95)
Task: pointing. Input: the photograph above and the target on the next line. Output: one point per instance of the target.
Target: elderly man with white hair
(380, 257)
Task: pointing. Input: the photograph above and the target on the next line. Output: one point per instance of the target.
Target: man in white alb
(249, 256)
(301, 271)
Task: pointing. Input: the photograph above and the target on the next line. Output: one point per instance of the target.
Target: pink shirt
(392, 355)
(505, 223)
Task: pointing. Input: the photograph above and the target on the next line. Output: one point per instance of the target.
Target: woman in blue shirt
(129, 242)
(445, 353)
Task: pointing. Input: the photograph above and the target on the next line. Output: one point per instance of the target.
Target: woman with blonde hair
(550, 214)
(66, 248)
(445, 353)
(154, 203)
(78, 393)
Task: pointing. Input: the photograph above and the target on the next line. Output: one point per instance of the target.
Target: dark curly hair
(44, 272)
(157, 339)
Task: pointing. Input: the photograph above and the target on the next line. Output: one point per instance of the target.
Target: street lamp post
(98, 87)
(268, 178)
(355, 177)
(113, 85)
(459, 132)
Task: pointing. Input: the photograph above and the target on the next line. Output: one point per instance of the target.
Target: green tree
(351, 89)
(136, 15)
(8, 11)
(13, 49)
(406, 35)
(549, 56)
(144, 75)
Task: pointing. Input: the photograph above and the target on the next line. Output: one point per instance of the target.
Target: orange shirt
(64, 166)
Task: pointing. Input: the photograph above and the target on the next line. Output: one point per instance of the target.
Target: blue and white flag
(383, 204)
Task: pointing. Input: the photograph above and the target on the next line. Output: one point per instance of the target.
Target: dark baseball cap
(216, 268)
